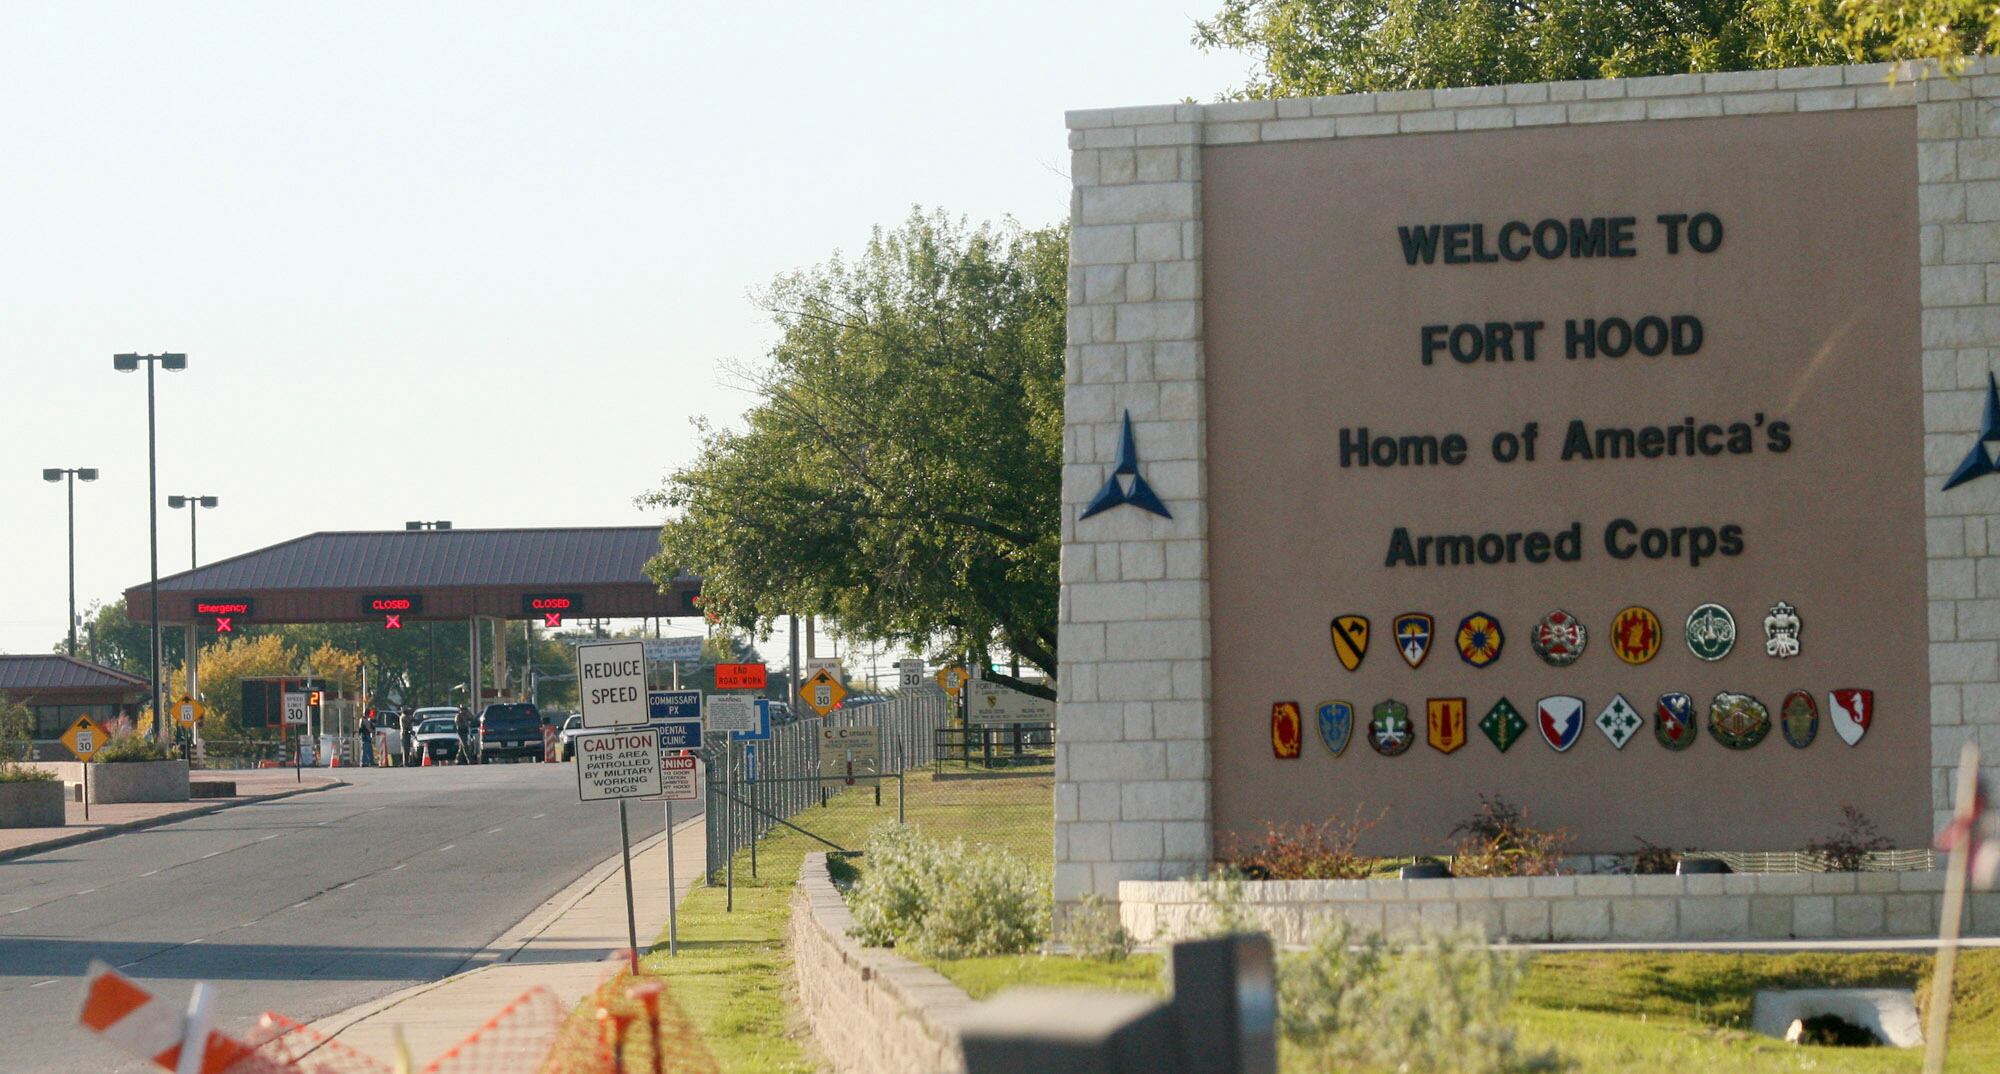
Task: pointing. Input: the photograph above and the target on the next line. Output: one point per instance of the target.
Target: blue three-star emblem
(1978, 462)
(1125, 485)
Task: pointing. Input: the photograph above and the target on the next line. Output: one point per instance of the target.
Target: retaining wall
(870, 1010)
(1744, 906)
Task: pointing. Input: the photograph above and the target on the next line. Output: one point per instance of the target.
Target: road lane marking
(210, 854)
(39, 984)
(446, 847)
(399, 866)
(495, 831)
(270, 837)
(87, 891)
(347, 885)
(538, 816)
(20, 910)
(149, 872)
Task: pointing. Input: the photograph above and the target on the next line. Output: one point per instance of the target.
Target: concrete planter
(31, 805)
(139, 781)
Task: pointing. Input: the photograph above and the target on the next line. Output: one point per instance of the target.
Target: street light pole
(127, 363)
(191, 503)
(71, 475)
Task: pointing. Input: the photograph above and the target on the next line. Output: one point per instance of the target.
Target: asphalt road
(303, 906)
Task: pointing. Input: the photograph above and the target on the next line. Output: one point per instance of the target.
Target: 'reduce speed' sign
(611, 683)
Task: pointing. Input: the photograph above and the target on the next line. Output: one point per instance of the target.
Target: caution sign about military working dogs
(618, 764)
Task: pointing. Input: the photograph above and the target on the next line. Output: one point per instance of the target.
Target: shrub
(1093, 930)
(1227, 916)
(1427, 1004)
(1498, 841)
(128, 747)
(20, 773)
(946, 900)
(1323, 851)
(1847, 849)
(1650, 860)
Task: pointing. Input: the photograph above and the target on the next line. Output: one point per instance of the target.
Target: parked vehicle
(567, 736)
(511, 729)
(437, 735)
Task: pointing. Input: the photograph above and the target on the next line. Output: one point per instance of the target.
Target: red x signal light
(392, 622)
(225, 624)
(552, 619)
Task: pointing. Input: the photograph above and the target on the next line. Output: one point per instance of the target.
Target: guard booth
(396, 579)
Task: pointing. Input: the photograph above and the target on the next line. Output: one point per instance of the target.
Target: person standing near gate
(368, 741)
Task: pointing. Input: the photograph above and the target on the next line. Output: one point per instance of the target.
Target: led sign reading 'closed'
(392, 608)
(552, 607)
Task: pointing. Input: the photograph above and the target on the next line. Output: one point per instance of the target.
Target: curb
(503, 948)
(109, 830)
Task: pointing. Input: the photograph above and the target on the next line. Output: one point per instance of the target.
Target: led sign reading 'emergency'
(224, 611)
(392, 608)
(552, 606)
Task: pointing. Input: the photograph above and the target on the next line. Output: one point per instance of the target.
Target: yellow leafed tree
(224, 665)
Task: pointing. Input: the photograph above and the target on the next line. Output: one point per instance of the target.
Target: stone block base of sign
(212, 788)
(139, 781)
(871, 1011)
(1623, 909)
(31, 805)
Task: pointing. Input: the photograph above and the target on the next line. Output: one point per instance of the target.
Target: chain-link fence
(991, 785)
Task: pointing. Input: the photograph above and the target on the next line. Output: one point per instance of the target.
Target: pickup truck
(510, 729)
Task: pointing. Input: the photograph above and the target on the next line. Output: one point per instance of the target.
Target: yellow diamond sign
(952, 679)
(823, 692)
(84, 738)
(188, 711)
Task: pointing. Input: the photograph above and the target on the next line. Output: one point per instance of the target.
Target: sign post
(620, 765)
(84, 739)
(679, 783)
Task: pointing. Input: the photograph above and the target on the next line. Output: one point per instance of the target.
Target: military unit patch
(1711, 632)
(1503, 724)
(1635, 635)
(1414, 631)
(1738, 721)
(1619, 721)
(1674, 724)
(1350, 639)
(1561, 720)
(1336, 725)
(1479, 639)
(1852, 712)
(1285, 731)
(1390, 731)
(1781, 631)
(1798, 718)
(1559, 638)
(1446, 717)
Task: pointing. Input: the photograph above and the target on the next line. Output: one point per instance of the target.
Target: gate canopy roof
(397, 576)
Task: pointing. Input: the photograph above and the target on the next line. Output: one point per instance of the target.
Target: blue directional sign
(750, 761)
(677, 715)
(763, 730)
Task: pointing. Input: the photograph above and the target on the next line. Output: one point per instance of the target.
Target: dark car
(509, 729)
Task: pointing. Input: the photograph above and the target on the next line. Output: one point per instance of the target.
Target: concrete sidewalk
(561, 946)
(251, 786)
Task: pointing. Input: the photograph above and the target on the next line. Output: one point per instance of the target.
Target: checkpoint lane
(304, 906)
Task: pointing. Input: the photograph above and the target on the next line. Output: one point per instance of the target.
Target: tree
(224, 666)
(900, 474)
(111, 637)
(1942, 31)
(1311, 47)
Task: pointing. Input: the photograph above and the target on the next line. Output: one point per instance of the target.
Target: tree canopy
(1309, 47)
(900, 472)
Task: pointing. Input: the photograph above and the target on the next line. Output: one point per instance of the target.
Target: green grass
(1636, 1013)
(733, 975)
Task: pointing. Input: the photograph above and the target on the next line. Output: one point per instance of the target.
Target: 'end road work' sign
(611, 683)
(618, 764)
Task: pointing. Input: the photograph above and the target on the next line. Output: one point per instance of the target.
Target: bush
(946, 900)
(129, 747)
(1498, 841)
(1093, 930)
(1323, 851)
(1651, 860)
(1847, 850)
(1428, 1004)
(18, 773)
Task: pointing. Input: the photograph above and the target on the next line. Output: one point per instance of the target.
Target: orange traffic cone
(333, 761)
(426, 762)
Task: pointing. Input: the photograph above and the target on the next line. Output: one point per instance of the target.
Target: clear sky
(480, 262)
